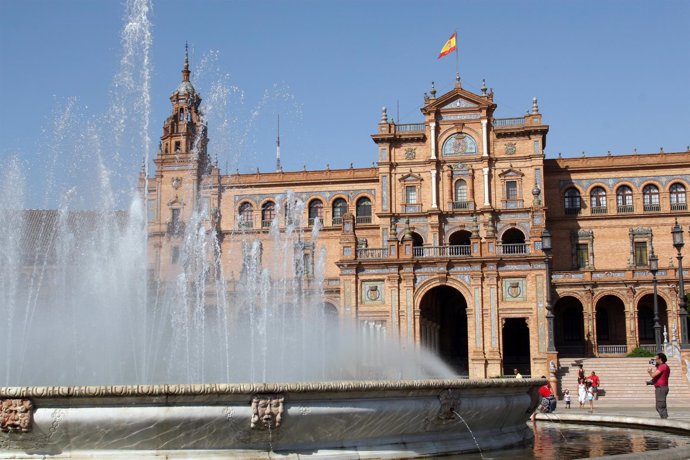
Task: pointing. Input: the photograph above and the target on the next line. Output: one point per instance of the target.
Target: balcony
(460, 205)
(512, 204)
(245, 224)
(312, 221)
(363, 219)
(512, 249)
(655, 207)
(410, 207)
(266, 223)
(573, 211)
(679, 206)
(442, 251)
(500, 122)
(599, 210)
(337, 221)
(625, 208)
(410, 127)
(373, 253)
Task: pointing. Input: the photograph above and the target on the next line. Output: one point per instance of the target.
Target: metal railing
(363, 219)
(372, 253)
(245, 224)
(512, 204)
(573, 211)
(612, 349)
(513, 248)
(175, 228)
(411, 207)
(408, 127)
(652, 207)
(679, 206)
(599, 210)
(649, 347)
(625, 208)
(461, 205)
(337, 221)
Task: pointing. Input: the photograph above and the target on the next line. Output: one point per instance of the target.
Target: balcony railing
(625, 208)
(337, 221)
(652, 207)
(612, 349)
(599, 210)
(442, 251)
(410, 127)
(461, 205)
(372, 253)
(679, 206)
(312, 221)
(513, 248)
(499, 122)
(266, 223)
(573, 211)
(245, 224)
(175, 228)
(411, 207)
(649, 347)
(512, 204)
(363, 219)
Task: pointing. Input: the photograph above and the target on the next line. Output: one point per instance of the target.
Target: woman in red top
(548, 401)
(660, 377)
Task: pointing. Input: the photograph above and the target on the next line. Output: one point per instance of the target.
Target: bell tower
(184, 135)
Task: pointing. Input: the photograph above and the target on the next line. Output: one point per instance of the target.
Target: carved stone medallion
(410, 154)
(176, 182)
(511, 148)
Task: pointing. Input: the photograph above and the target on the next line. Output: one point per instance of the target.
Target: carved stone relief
(16, 415)
(267, 411)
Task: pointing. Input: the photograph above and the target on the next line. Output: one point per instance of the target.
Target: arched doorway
(516, 346)
(443, 326)
(610, 328)
(645, 318)
(569, 328)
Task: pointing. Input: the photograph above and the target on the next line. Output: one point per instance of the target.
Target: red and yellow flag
(449, 47)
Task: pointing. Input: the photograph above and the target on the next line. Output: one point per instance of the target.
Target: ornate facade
(441, 241)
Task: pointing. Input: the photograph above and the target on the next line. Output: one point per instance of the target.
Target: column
(434, 204)
(432, 128)
(485, 137)
(487, 198)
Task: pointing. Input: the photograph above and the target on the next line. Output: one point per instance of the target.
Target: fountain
(96, 358)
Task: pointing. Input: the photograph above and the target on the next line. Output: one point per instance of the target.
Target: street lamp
(546, 247)
(677, 232)
(654, 267)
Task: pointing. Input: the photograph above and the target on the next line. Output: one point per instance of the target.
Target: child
(581, 392)
(566, 398)
(590, 396)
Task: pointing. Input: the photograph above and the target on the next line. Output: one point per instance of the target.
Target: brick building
(441, 241)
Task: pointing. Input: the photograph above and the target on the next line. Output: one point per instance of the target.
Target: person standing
(660, 377)
(581, 392)
(594, 378)
(590, 396)
(517, 374)
(581, 373)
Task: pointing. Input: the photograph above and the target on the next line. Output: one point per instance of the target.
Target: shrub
(641, 353)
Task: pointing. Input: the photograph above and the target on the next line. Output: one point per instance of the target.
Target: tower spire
(279, 168)
(185, 69)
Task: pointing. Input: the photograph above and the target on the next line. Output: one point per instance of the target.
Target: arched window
(678, 197)
(459, 144)
(315, 211)
(339, 210)
(268, 213)
(573, 202)
(246, 215)
(624, 199)
(598, 200)
(459, 243)
(513, 242)
(650, 198)
(364, 211)
(460, 195)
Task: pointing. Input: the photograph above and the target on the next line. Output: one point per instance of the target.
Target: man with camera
(660, 374)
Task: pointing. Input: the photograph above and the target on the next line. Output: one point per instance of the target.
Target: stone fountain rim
(229, 389)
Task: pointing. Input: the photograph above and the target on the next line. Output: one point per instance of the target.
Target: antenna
(279, 168)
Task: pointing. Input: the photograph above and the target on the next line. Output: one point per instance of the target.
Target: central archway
(443, 326)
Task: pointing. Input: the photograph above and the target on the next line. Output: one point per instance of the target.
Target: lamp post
(654, 267)
(677, 232)
(546, 247)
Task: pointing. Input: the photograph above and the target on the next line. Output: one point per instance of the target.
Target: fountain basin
(366, 419)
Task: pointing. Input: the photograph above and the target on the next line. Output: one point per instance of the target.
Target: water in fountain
(78, 309)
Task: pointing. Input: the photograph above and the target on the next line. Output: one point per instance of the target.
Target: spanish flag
(449, 46)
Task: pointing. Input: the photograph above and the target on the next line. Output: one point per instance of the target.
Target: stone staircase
(623, 382)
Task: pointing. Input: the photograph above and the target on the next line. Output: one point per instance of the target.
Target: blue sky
(609, 75)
